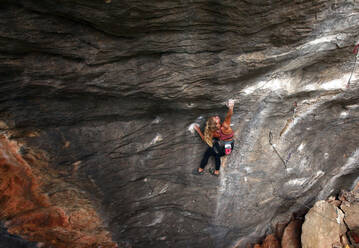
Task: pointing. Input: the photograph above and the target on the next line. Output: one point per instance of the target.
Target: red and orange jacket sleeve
(227, 122)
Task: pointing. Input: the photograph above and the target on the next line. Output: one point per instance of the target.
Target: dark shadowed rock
(105, 92)
(7, 240)
(269, 242)
(291, 235)
(351, 218)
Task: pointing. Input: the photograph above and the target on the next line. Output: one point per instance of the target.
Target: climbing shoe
(212, 170)
(197, 172)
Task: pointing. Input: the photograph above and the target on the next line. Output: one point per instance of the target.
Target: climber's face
(218, 121)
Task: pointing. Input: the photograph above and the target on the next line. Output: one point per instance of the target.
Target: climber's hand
(230, 103)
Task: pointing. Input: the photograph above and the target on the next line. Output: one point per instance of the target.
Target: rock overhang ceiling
(109, 89)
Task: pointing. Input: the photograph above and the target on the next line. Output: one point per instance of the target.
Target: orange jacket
(226, 125)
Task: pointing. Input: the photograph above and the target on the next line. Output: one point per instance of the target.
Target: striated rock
(105, 93)
(323, 226)
(291, 235)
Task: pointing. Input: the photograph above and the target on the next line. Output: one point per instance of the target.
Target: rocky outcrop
(269, 242)
(331, 223)
(350, 207)
(53, 219)
(106, 91)
(324, 226)
(343, 233)
(291, 235)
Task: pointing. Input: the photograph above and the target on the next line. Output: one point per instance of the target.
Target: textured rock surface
(61, 218)
(107, 91)
(350, 207)
(7, 240)
(291, 235)
(269, 242)
(351, 215)
(323, 226)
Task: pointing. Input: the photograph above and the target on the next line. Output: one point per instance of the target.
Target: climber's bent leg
(217, 160)
(205, 158)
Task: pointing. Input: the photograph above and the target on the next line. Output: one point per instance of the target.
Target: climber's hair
(209, 129)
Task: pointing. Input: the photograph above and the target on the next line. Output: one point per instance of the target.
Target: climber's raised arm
(227, 121)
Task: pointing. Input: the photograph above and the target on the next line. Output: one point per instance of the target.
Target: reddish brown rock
(65, 219)
(271, 242)
(291, 235)
(351, 217)
(354, 236)
(279, 230)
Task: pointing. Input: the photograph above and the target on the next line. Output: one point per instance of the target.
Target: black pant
(216, 151)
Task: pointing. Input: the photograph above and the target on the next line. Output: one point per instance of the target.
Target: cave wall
(108, 91)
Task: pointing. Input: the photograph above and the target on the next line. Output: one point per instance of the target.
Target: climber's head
(213, 123)
(218, 121)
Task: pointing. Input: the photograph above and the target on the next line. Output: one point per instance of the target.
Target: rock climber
(219, 139)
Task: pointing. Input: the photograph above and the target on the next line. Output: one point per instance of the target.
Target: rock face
(269, 242)
(333, 223)
(104, 93)
(350, 207)
(291, 235)
(61, 218)
(323, 227)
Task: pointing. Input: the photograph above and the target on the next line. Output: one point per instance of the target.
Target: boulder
(323, 226)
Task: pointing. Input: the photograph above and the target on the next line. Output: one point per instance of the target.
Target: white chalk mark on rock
(157, 120)
(297, 181)
(156, 139)
(300, 148)
(326, 155)
(343, 114)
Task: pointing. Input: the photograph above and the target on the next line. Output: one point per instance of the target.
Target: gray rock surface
(109, 90)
